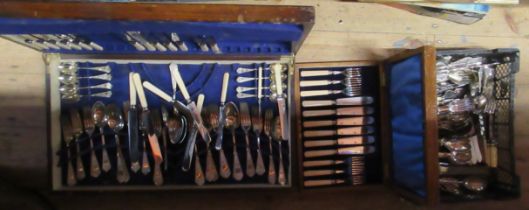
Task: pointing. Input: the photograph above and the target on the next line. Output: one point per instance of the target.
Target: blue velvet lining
(407, 124)
(232, 38)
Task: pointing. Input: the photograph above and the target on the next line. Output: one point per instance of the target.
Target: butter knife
(132, 124)
(348, 121)
(339, 112)
(360, 130)
(357, 140)
(350, 101)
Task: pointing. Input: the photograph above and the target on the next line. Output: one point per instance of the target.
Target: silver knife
(190, 104)
(360, 130)
(220, 128)
(350, 101)
(132, 124)
(357, 140)
(356, 150)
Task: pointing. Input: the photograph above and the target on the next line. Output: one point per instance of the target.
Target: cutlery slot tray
(200, 77)
(366, 117)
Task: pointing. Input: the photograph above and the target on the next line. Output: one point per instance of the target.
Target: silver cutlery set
(77, 82)
(154, 137)
(337, 128)
(466, 107)
(163, 42)
(56, 42)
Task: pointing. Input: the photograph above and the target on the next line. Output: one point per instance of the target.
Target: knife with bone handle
(349, 101)
(192, 130)
(315, 83)
(360, 130)
(355, 150)
(348, 121)
(320, 73)
(132, 125)
(190, 104)
(148, 128)
(357, 140)
(349, 111)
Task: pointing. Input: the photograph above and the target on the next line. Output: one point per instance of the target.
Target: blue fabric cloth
(232, 38)
(407, 124)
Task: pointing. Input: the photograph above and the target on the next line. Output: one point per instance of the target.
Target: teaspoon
(116, 123)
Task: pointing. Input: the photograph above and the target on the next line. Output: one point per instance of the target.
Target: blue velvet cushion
(407, 124)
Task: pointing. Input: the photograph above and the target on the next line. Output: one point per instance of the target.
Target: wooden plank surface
(343, 31)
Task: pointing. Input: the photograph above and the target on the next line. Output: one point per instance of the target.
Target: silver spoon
(116, 123)
(474, 184)
(100, 120)
(456, 144)
(210, 121)
(460, 157)
(232, 123)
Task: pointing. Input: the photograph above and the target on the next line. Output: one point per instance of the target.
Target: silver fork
(269, 115)
(257, 123)
(246, 125)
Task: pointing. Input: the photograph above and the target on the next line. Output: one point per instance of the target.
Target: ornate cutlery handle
(317, 103)
(250, 168)
(237, 169)
(157, 176)
(271, 165)
(70, 175)
(106, 94)
(100, 86)
(281, 178)
(80, 168)
(225, 171)
(211, 170)
(105, 160)
(199, 174)
(259, 169)
(106, 77)
(95, 171)
(315, 113)
(145, 167)
(122, 174)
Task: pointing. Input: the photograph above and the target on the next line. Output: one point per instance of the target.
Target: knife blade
(340, 122)
(339, 112)
(360, 130)
(356, 150)
(175, 74)
(349, 101)
(357, 140)
(132, 124)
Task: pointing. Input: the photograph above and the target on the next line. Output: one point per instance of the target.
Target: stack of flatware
(337, 123)
(56, 42)
(74, 86)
